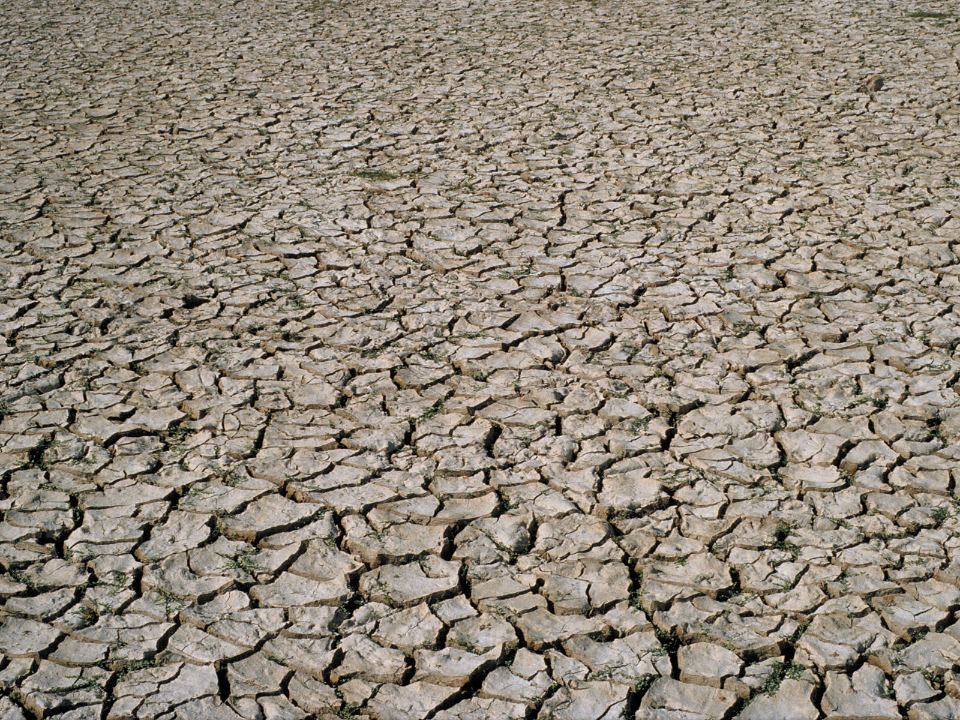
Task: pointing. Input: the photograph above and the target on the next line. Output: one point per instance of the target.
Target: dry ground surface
(460, 360)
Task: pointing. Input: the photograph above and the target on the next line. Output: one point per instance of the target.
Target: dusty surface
(562, 359)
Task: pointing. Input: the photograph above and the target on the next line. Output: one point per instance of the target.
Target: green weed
(373, 174)
(930, 15)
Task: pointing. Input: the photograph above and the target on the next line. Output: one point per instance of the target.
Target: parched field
(448, 360)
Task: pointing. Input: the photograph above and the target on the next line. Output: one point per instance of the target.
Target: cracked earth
(447, 360)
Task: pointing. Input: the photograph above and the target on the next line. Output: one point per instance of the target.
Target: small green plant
(780, 535)
(522, 548)
(935, 680)
(170, 601)
(639, 425)
(930, 15)
(940, 514)
(125, 667)
(798, 633)
(604, 674)
(355, 601)
(228, 476)
(176, 435)
(644, 684)
(374, 174)
(732, 591)
(20, 577)
(669, 641)
(742, 328)
(465, 644)
(80, 686)
(781, 671)
(515, 273)
(888, 691)
(506, 504)
(218, 526)
(117, 581)
(35, 457)
(635, 593)
(245, 561)
(432, 412)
